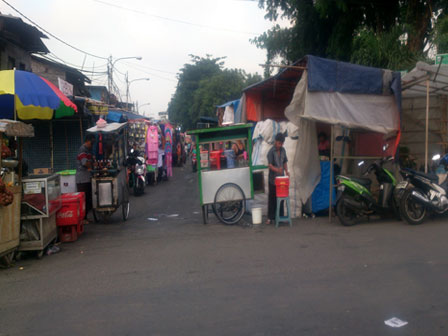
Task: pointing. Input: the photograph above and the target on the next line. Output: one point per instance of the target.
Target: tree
(204, 84)
(347, 30)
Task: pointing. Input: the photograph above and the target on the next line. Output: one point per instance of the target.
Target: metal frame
(218, 134)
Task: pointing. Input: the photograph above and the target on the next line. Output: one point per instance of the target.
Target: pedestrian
(278, 166)
(84, 164)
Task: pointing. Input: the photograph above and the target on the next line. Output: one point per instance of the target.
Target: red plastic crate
(72, 209)
(68, 233)
(282, 186)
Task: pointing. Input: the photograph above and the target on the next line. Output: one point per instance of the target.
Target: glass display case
(41, 196)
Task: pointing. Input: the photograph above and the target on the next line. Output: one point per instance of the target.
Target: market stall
(109, 176)
(425, 114)
(225, 177)
(10, 185)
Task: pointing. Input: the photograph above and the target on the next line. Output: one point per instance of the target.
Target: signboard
(442, 58)
(163, 114)
(65, 87)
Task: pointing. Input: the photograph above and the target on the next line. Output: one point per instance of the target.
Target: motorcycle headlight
(139, 170)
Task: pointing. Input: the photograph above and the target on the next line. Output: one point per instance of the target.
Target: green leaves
(203, 84)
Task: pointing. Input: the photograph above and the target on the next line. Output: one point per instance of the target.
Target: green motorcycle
(355, 200)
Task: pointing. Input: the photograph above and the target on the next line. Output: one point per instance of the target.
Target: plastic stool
(279, 218)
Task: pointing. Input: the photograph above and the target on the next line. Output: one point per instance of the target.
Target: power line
(149, 68)
(172, 20)
(152, 74)
(52, 35)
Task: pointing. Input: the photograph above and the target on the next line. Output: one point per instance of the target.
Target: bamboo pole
(51, 145)
(331, 173)
(427, 126)
(296, 67)
(80, 130)
(20, 159)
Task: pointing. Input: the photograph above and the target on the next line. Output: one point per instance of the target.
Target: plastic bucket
(282, 186)
(257, 214)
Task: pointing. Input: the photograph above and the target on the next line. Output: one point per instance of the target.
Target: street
(164, 273)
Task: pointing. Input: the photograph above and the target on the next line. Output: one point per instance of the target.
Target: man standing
(84, 163)
(278, 166)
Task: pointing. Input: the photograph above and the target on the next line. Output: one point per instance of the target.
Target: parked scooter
(355, 199)
(137, 179)
(421, 193)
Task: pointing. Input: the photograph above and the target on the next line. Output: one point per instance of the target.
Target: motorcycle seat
(366, 182)
(430, 176)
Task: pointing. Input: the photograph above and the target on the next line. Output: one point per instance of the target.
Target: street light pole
(110, 71)
(128, 84)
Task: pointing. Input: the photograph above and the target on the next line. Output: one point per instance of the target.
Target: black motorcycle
(421, 194)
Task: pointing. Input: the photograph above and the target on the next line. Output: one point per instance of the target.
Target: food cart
(109, 176)
(225, 178)
(40, 201)
(10, 186)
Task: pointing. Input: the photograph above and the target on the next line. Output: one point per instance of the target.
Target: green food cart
(226, 178)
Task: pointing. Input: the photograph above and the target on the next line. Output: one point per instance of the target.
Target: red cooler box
(73, 209)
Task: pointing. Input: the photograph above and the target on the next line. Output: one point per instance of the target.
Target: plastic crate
(68, 233)
(73, 209)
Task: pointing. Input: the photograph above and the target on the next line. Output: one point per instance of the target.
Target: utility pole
(127, 90)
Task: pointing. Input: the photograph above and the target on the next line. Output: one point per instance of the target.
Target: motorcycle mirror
(436, 157)
(360, 163)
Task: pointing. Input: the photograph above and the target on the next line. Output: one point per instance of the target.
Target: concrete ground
(175, 276)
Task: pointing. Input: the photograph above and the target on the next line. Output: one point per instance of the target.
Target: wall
(47, 71)
(413, 127)
(21, 57)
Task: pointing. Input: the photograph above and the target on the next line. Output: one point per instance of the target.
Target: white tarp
(375, 113)
(306, 166)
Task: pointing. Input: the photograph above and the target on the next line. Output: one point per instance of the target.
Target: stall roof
(16, 128)
(414, 82)
(232, 102)
(109, 128)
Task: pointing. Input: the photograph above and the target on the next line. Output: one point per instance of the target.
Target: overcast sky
(163, 32)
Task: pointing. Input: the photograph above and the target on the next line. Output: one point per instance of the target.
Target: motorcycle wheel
(413, 212)
(346, 216)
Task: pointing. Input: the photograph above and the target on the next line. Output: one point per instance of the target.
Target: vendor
(84, 164)
(238, 148)
(324, 144)
(278, 166)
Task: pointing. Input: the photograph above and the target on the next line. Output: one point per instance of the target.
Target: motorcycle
(355, 199)
(422, 193)
(137, 179)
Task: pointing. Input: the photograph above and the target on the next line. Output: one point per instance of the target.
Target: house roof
(285, 80)
(28, 37)
(414, 82)
(62, 66)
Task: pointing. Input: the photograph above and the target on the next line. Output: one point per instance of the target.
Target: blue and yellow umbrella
(31, 97)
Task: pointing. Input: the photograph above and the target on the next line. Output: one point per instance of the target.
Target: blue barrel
(230, 157)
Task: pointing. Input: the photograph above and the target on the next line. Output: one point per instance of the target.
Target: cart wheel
(95, 216)
(230, 204)
(7, 260)
(125, 210)
(205, 214)
(39, 254)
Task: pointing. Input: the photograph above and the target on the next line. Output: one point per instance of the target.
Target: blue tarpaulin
(321, 195)
(332, 76)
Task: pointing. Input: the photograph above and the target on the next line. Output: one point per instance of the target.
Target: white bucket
(257, 214)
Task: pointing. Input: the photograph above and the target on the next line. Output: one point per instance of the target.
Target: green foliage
(360, 31)
(441, 35)
(384, 50)
(203, 84)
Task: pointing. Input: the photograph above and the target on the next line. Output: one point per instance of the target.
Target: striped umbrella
(32, 97)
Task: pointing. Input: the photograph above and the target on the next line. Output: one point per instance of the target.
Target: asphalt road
(175, 276)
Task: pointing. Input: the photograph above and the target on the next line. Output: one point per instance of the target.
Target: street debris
(173, 215)
(195, 212)
(53, 249)
(152, 219)
(395, 322)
